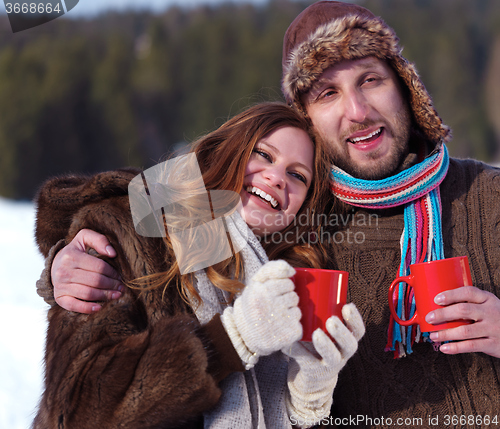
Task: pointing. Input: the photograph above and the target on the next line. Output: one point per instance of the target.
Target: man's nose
(355, 106)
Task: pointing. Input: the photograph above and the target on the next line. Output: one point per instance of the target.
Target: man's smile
(366, 138)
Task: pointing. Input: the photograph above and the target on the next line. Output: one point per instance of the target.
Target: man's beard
(378, 169)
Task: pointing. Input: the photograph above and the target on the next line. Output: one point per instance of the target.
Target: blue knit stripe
(364, 187)
(391, 192)
(394, 181)
(412, 234)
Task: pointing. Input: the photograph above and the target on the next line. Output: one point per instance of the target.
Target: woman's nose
(275, 177)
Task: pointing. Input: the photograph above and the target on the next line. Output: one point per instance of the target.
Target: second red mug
(427, 280)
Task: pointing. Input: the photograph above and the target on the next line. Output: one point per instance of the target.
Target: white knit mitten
(265, 317)
(313, 368)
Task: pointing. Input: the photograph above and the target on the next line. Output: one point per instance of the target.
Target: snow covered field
(22, 316)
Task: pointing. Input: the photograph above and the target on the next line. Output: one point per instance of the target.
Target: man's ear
(300, 106)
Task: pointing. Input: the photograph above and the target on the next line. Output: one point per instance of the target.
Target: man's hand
(79, 278)
(468, 303)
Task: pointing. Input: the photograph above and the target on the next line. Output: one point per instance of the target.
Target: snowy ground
(22, 317)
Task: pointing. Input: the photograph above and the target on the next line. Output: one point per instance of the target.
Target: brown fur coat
(142, 361)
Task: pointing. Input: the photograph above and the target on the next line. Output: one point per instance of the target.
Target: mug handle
(413, 320)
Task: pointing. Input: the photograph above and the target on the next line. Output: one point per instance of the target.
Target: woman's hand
(313, 368)
(266, 317)
(79, 278)
(468, 303)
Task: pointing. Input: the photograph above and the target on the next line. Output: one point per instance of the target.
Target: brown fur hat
(328, 32)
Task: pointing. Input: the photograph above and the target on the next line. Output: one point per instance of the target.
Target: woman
(201, 349)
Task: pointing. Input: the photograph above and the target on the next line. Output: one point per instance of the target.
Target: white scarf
(254, 399)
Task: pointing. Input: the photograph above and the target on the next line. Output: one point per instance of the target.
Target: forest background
(125, 89)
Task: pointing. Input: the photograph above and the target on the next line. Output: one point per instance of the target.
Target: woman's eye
(263, 154)
(299, 176)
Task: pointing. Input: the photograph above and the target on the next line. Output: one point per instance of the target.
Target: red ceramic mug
(322, 293)
(427, 280)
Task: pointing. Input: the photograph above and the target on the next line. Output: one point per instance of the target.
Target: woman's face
(277, 178)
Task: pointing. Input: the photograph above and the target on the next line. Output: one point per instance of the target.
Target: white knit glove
(265, 317)
(313, 371)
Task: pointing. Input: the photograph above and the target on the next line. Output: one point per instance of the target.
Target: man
(342, 67)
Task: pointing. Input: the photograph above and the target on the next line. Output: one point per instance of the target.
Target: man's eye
(327, 94)
(370, 80)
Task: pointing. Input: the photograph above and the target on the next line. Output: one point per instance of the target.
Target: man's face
(357, 107)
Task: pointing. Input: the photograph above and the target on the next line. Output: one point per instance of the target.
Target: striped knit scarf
(418, 189)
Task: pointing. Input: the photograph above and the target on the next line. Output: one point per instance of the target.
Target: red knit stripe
(364, 195)
(425, 228)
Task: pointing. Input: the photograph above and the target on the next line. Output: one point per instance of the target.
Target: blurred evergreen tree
(84, 95)
(450, 42)
(115, 142)
(492, 95)
(22, 75)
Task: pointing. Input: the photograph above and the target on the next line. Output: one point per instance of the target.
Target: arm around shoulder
(44, 286)
(143, 360)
